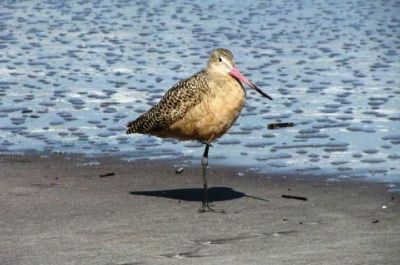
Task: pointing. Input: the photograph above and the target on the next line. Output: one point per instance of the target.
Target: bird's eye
(219, 59)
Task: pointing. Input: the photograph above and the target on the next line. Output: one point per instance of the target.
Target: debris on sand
(109, 174)
(301, 198)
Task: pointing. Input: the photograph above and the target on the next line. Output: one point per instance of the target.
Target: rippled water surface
(74, 73)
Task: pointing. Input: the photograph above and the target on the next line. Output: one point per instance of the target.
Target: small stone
(179, 170)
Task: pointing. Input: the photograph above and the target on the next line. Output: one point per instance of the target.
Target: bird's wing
(173, 106)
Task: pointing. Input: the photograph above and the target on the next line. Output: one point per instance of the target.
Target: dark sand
(57, 210)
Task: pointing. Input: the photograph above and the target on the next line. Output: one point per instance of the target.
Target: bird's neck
(220, 81)
(217, 75)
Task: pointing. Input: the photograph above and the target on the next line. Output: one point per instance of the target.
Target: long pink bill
(236, 74)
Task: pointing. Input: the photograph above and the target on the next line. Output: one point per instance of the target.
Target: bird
(200, 108)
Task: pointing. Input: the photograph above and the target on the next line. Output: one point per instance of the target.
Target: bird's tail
(140, 125)
(145, 124)
(133, 127)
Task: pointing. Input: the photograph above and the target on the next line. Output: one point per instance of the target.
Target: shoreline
(185, 161)
(65, 209)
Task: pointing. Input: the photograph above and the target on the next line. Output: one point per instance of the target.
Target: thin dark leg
(204, 163)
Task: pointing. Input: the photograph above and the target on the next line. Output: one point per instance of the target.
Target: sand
(57, 210)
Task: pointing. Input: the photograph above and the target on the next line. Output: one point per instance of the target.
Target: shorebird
(202, 108)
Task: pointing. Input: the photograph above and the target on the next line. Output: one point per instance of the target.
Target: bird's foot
(208, 208)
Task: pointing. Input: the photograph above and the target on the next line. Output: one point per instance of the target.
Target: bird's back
(173, 106)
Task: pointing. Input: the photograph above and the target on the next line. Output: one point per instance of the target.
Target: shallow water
(73, 74)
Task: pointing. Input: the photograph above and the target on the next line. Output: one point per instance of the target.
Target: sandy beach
(61, 209)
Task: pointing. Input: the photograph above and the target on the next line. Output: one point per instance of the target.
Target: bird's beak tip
(236, 74)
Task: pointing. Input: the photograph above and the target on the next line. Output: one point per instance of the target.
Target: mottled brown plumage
(202, 107)
(172, 107)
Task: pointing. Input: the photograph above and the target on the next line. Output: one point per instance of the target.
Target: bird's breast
(215, 114)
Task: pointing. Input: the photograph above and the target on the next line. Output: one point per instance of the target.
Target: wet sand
(57, 210)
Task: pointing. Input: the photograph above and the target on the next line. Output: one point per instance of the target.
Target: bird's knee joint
(204, 161)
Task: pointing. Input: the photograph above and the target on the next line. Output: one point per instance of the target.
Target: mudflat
(63, 209)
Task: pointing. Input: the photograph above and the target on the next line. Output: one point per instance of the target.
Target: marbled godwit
(202, 107)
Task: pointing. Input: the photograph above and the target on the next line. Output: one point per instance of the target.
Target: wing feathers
(172, 107)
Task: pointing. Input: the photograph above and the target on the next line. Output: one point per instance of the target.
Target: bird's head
(221, 61)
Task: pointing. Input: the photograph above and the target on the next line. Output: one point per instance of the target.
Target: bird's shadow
(215, 194)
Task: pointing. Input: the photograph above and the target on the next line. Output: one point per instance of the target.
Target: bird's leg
(204, 163)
